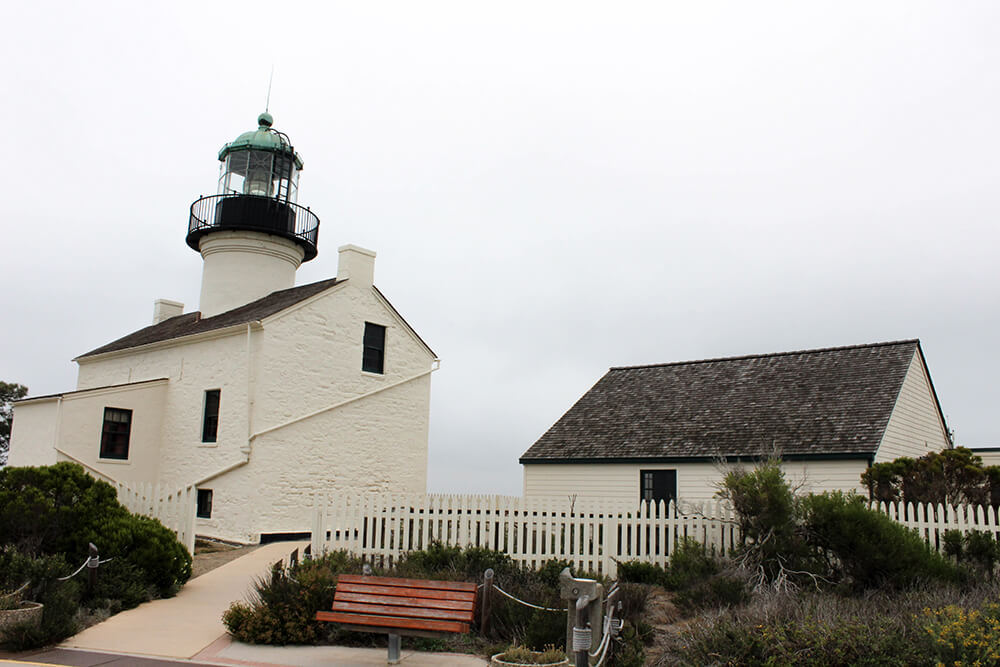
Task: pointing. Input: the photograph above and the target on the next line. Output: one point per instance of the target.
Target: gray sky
(552, 188)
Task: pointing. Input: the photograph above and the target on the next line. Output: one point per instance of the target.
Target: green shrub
(976, 548)
(59, 509)
(641, 572)
(769, 516)
(691, 563)
(53, 509)
(282, 606)
(440, 561)
(61, 598)
(869, 547)
(628, 650)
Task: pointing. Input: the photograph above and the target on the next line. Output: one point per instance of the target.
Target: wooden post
(487, 609)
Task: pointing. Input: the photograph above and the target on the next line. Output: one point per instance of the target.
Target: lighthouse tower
(252, 235)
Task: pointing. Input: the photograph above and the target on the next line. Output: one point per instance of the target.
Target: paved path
(187, 630)
(181, 626)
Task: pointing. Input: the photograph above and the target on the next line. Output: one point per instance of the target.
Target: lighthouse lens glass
(259, 175)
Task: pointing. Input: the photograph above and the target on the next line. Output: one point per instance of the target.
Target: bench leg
(394, 643)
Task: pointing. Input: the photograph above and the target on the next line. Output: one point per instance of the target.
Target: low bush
(61, 598)
(641, 572)
(527, 656)
(870, 548)
(282, 606)
(60, 509)
(774, 548)
(691, 563)
(961, 637)
(810, 629)
(977, 548)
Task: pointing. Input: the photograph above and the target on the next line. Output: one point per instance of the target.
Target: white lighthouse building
(270, 393)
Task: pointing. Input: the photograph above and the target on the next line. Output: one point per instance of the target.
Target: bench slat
(466, 615)
(350, 587)
(411, 583)
(392, 622)
(403, 602)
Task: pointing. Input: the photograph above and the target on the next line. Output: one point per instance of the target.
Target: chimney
(357, 264)
(164, 309)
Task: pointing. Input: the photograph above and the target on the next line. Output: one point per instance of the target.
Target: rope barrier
(78, 571)
(14, 594)
(527, 604)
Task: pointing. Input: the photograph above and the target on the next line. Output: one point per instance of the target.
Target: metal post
(581, 633)
(394, 646)
(487, 608)
(595, 615)
(93, 561)
(583, 594)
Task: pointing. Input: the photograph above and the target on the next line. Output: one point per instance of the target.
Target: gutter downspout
(247, 447)
(55, 434)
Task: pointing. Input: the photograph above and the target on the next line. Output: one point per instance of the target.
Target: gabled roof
(829, 403)
(189, 324)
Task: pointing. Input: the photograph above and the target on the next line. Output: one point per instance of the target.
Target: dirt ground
(209, 555)
(663, 616)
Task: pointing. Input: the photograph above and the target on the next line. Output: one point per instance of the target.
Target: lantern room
(257, 191)
(260, 163)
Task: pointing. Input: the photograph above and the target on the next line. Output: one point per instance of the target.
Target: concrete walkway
(189, 627)
(181, 626)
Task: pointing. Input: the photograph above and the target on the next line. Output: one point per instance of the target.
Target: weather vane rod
(267, 103)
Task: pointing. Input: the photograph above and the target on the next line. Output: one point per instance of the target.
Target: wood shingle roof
(829, 403)
(189, 324)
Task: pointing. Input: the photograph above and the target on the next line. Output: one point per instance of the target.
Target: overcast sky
(552, 188)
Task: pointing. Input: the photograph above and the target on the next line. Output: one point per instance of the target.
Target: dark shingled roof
(189, 324)
(834, 402)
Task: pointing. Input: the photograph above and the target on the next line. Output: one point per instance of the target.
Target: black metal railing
(254, 213)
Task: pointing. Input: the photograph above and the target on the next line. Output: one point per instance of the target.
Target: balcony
(233, 212)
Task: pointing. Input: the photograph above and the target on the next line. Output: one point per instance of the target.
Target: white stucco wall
(72, 424)
(33, 433)
(696, 482)
(191, 368)
(240, 267)
(294, 390)
(915, 426)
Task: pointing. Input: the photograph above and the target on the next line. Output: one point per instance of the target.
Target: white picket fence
(175, 508)
(930, 521)
(593, 536)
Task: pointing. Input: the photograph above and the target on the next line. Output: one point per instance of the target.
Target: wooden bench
(412, 607)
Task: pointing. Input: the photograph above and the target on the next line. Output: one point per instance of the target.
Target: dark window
(210, 423)
(204, 503)
(115, 433)
(373, 359)
(657, 485)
